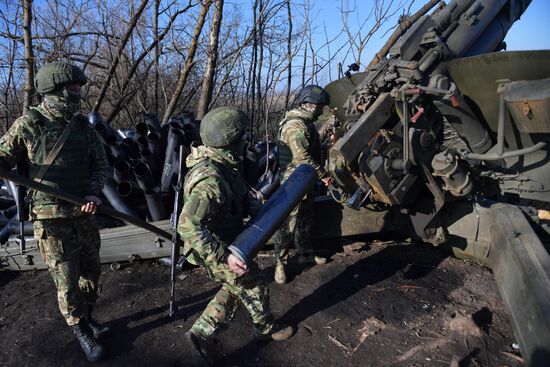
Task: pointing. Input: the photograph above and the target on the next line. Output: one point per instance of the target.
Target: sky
(530, 32)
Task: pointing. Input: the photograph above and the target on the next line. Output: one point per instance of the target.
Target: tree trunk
(252, 113)
(11, 62)
(304, 65)
(28, 95)
(259, 109)
(184, 74)
(157, 56)
(211, 61)
(288, 56)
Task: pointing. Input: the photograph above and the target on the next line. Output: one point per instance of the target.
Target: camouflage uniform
(68, 239)
(298, 144)
(215, 198)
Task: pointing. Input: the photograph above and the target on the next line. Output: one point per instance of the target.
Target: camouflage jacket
(299, 143)
(214, 205)
(80, 167)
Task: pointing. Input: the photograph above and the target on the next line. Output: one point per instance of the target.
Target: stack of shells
(144, 163)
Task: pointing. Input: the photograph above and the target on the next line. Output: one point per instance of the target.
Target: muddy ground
(375, 304)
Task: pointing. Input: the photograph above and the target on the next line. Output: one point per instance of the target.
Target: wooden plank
(117, 244)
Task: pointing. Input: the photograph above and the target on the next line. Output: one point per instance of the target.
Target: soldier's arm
(298, 143)
(201, 207)
(12, 144)
(98, 164)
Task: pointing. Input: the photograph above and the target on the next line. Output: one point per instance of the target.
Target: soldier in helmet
(299, 144)
(61, 150)
(215, 197)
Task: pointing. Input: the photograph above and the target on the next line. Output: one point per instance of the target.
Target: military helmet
(55, 74)
(313, 94)
(223, 126)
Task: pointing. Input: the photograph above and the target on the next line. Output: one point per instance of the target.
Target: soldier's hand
(91, 206)
(236, 265)
(327, 181)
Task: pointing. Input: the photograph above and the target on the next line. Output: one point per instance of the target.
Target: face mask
(73, 97)
(318, 111)
(315, 109)
(65, 103)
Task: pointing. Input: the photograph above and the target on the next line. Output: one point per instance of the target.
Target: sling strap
(55, 151)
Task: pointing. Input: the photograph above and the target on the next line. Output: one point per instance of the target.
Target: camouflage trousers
(296, 229)
(70, 248)
(250, 290)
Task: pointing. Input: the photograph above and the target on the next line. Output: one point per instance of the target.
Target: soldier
(299, 144)
(215, 197)
(61, 150)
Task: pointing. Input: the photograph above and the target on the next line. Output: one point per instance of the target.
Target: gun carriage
(447, 140)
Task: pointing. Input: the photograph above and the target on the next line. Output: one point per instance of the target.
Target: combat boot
(93, 350)
(278, 333)
(100, 331)
(312, 260)
(280, 273)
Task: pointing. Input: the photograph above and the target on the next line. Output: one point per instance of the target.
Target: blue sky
(531, 32)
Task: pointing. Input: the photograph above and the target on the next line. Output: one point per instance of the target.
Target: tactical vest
(285, 154)
(228, 222)
(70, 170)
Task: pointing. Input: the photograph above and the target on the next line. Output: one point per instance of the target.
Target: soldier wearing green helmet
(61, 149)
(215, 198)
(60, 85)
(299, 143)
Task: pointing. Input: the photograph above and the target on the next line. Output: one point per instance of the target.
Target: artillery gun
(448, 140)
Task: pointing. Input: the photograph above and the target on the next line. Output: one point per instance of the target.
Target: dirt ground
(374, 304)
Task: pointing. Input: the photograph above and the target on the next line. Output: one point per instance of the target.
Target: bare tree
(133, 69)
(380, 13)
(28, 95)
(116, 59)
(258, 101)
(157, 57)
(211, 61)
(289, 56)
(189, 62)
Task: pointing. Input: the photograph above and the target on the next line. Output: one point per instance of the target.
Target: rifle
(21, 193)
(175, 236)
(74, 199)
